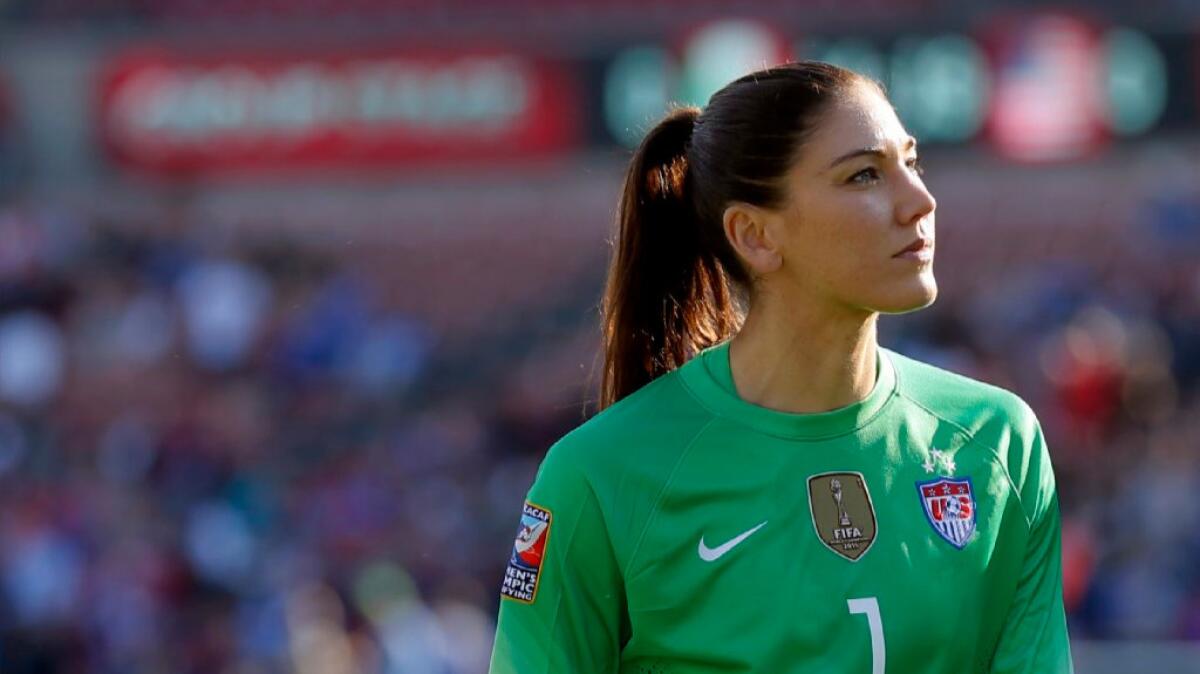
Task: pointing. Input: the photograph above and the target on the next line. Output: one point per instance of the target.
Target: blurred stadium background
(295, 294)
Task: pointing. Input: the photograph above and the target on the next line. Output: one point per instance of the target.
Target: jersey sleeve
(1034, 640)
(562, 598)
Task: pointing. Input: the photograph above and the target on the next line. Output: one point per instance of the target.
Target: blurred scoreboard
(1049, 86)
(1034, 87)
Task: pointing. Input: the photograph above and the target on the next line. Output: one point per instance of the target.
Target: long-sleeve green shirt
(684, 530)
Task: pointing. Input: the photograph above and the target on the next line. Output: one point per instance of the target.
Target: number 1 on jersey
(870, 606)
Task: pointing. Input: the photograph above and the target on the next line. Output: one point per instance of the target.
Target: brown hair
(675, 282)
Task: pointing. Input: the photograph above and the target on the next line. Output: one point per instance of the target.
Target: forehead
(862, 118)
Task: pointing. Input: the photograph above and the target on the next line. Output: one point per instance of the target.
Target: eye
(914, 164)
(865, 176)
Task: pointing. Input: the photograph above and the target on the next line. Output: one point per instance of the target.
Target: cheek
(846, 236)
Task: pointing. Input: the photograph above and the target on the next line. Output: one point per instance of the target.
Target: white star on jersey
(936, 457)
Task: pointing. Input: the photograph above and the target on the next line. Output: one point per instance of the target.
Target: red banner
(180, 114)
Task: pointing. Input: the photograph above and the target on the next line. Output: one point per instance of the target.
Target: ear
(748, 229)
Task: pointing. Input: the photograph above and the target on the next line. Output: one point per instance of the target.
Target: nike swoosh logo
(713, 554)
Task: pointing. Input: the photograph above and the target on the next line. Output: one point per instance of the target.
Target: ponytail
(667, 295)
(674, 274)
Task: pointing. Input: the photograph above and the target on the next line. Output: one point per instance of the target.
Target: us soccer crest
(525, 564)
(950, 507)
(842, 513)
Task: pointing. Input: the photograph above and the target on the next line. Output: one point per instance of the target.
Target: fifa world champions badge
(842, 513)
(525, 564)
(950, 507)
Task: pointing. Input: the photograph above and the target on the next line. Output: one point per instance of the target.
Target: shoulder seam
(591, 488)
(658, 499)
(995, 454)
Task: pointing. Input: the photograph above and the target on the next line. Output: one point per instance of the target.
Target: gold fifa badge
(842, 513)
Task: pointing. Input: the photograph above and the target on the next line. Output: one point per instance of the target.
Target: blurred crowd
(223, 456)
(218, 458)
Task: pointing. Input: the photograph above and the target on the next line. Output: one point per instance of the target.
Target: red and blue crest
(950, 507)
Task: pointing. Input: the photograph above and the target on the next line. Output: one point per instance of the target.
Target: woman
(778, 493)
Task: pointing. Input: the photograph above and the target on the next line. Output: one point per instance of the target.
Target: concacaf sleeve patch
(525, 564)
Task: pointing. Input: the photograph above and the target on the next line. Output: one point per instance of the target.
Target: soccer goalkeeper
(767, 489)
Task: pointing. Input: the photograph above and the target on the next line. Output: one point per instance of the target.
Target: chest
(822, 556)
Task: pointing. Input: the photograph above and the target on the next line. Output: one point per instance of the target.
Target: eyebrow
(877, 151)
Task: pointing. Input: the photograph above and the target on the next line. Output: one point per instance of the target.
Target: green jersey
(685, 530)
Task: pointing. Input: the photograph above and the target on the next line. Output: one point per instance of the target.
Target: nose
(914, 202)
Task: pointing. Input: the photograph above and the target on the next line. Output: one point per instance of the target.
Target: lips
(919, 244)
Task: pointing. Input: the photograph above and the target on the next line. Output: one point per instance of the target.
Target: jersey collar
(709, 378)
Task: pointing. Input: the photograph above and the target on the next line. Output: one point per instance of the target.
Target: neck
(804, 360)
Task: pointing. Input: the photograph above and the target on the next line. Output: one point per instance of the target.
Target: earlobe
(772, 261)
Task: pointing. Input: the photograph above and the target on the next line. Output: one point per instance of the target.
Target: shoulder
(979, 408)
(648, 427)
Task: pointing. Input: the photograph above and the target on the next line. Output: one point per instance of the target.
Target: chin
(917, 295)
